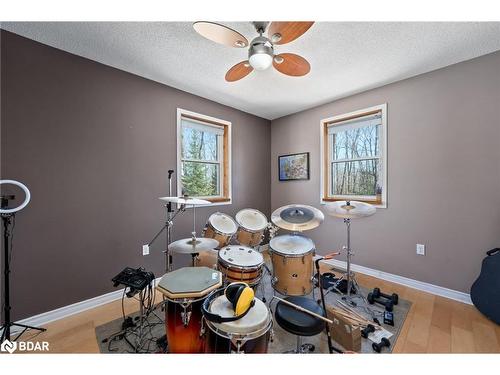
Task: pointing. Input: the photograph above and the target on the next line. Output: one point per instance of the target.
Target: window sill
(215, 202)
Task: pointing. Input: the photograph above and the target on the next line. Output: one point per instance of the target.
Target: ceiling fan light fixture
(260, 61)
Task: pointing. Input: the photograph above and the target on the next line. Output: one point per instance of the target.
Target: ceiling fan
(261, 51)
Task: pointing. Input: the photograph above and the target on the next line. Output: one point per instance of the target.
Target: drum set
(229, 252)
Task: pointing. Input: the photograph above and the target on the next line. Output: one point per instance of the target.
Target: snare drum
(241, 263)
(185, 290)
(249, 334)
(252, 225)
(292, 258)
(220, 227)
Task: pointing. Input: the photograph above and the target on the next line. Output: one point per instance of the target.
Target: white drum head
(242, 256)
(291, 244)
(252, 220)
(257, 318)
(223, 223)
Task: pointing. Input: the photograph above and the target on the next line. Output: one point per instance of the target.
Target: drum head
(257, 319)
(223, 223)
(252, 220)
(189, 282)
(242, 256)
(291, 244)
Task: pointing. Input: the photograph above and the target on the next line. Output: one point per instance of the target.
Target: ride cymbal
(297, 217)
(349, 209)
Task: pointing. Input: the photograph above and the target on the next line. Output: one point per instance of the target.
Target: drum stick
(330, 256)
(300, 308)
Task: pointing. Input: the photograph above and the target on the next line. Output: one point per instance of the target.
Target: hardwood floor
(434, 325)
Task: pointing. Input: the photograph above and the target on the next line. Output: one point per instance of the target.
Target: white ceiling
(345, 57)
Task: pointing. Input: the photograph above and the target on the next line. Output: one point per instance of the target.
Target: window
(354, 157)
(203, 156)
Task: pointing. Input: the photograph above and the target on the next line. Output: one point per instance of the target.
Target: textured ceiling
(345, 57)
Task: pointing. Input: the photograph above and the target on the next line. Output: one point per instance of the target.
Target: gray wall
(94, 144)
(443, 174)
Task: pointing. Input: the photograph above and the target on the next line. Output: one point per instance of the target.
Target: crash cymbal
(349, 209)
(193, 245)
(186, 201)
(297, 217)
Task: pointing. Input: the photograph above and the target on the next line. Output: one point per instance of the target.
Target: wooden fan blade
(285, 32)
(220, 34)
(291, 64)
(238, 71)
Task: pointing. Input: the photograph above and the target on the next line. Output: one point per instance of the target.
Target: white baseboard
(42, 319)
(63, 312)
(415, 284)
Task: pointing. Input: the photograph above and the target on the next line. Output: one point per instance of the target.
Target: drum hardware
(297, 217)
(9, 221)
(272, 230)
(348, 210)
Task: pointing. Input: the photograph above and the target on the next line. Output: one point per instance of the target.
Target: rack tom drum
(252, 226)
(220, 227)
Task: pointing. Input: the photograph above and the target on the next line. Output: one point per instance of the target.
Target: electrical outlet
(145, 249)
(420, 249)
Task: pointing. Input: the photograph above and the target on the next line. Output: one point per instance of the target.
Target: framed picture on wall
(293, 167)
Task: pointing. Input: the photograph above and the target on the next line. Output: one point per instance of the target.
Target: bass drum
(249, 334)
(252, 226)
(220, 227)
(292, 258)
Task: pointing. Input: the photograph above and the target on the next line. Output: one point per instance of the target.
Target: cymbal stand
(348, 275)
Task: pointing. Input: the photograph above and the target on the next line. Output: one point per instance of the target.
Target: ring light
(26, 198)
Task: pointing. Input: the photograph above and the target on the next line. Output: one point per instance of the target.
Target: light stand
(7, 217)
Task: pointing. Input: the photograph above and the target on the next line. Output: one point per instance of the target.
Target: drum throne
(298, 322)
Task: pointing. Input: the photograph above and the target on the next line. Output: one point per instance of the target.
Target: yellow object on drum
(292, 258)
(241, 297)
(220, 227)
(252, 226)
(249, 334)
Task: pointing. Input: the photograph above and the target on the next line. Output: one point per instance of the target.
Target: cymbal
(349, 209)
(186, 201)
(193, 245)
(297, 217)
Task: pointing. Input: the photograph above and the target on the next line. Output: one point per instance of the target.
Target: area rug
(112, 340)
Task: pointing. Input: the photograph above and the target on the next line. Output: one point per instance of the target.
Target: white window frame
(337, 120)
(216, 123)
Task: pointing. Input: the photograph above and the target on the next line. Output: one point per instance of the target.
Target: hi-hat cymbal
(297, 217)
(193, 245)
(349, 209)
(186, 201)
